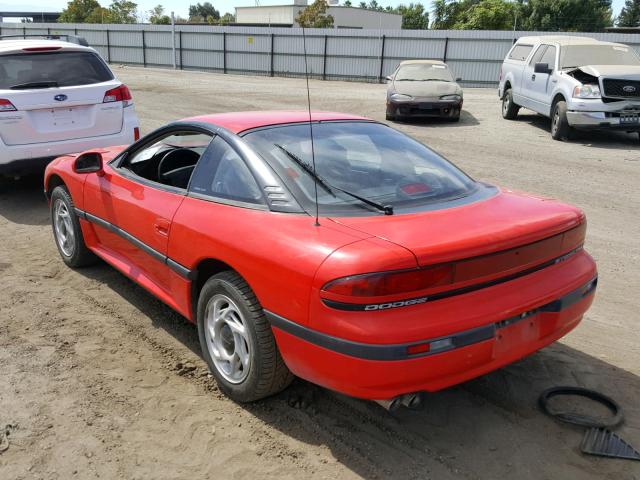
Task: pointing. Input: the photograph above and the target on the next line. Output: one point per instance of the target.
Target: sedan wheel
(227, 339)
(63, 228)
(237, 341)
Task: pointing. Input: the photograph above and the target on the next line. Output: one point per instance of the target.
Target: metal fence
(332, 54)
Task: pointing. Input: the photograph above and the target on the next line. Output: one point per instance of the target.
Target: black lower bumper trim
(368, 351)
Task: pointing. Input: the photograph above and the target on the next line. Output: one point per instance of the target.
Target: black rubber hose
(579, 419)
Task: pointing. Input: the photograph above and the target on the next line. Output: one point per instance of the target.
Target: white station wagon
(58, 97)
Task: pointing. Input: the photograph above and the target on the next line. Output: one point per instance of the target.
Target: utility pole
(173, 39)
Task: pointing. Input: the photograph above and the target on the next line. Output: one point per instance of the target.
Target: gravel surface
(99, 379)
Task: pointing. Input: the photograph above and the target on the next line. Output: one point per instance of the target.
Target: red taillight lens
(118, 94)
(6, 106)
(136, 134)
(391, 283)
(40, 49)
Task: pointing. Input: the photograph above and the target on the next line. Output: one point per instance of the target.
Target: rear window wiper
(386, 209)
(25, 86)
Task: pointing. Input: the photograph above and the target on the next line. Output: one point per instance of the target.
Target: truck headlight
(401, 97)
(586, 91)
(455, 98)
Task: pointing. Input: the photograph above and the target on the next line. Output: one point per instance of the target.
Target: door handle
(162, 227)
(533, 77)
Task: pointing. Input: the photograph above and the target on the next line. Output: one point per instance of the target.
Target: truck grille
(621, 88)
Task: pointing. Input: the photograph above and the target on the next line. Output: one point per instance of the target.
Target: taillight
(118, 94)
(6, 106)
(391, 283)
(40, 49)
(136, 134)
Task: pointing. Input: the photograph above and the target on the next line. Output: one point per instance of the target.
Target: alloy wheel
(228, 340)
(63, 225)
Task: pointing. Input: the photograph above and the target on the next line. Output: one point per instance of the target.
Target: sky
(181, 7)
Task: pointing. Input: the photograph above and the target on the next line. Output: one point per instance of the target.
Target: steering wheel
(175, 161)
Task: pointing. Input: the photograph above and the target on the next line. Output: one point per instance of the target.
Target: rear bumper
(604, 120)
(20, 159)
(426, 109)
(385, 371)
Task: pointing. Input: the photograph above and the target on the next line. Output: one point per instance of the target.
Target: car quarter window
(169, 159)
(538, 55)
(549, 56)
(520, 52)
(222, 173)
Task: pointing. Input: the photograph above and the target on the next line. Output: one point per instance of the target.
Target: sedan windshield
(423, 72)
(361, 167)
(581, 55)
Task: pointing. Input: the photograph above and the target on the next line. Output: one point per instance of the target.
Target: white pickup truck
(578, 82)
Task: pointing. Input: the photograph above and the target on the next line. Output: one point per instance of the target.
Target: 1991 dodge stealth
(414, 278)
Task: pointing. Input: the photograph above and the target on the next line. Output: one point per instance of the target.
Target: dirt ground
(99, 379)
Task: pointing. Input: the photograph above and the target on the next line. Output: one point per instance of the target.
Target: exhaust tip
(412, 401)
(390, 405)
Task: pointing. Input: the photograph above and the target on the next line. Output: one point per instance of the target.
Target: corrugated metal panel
(350, 54)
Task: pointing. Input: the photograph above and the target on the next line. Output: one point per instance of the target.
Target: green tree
(362, 5)
(158, 17)
(414, 16)
(315, 16)
(446, 13)
(488, 15)
(123, 11)
(373, 5)
(99, 15)
(565, 15)
(77, 11)
(630, 14)
(227, 18)
(347, 3)
(200, 12)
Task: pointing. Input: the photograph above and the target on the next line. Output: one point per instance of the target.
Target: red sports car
(414, 278)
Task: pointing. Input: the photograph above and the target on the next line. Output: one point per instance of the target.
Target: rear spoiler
(67, 38)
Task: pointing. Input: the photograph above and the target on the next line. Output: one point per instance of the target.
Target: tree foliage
(630, 14)
(315, 16)
(544, 15)
(199, 13)
(158, 17)
(414, 16)
(90, 11)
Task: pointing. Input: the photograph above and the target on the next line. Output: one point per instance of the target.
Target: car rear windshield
(50, 69)
(581, 55)
(370, 160)
(423, 72)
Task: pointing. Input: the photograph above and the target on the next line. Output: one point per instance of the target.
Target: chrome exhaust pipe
(412, 401)
(390, 405)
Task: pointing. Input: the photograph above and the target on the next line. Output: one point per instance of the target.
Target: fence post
(446, 49)
(224, 52)
(144, 50)
(180, 53)
(108, 47)
(271, 68)
(384, 37)
(324, 59)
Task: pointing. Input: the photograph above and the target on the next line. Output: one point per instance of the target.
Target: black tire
(76, 254)
(509, 108)
(560, 128)
(267, 372)
(390, 117)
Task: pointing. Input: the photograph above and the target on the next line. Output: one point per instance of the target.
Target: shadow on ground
(466, 119)
(22, 201)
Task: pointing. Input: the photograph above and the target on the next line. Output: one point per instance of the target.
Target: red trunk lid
(506, 220)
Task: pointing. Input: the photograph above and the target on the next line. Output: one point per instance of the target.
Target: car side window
(520, 52)
(549, 57)
(221, 173)
(538, 55)
(169, 159)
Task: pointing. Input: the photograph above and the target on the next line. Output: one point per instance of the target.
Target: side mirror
(388, 78)
(542, 68)
(459, 79)
(90, 162)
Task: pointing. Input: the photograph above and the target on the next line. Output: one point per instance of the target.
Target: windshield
(52, 69)
(581, 55)
(420, 72)
(367, 159)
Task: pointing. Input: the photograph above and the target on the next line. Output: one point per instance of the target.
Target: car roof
(10, 45)
(237, 122)
(428, 62)
(564, 40)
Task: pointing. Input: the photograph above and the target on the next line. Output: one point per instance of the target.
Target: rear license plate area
(513, 336)
(62, 117)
